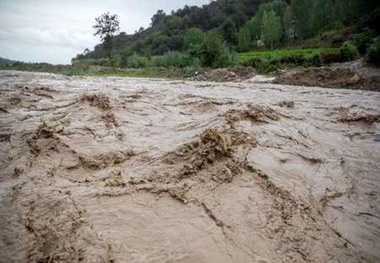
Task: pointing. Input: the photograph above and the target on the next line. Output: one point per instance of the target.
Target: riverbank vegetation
(227, 33)
(265, 35)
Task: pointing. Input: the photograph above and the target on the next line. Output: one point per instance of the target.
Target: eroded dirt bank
(350, 75)
(127, 170)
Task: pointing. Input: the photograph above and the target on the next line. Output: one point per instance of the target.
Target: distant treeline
(6, 62)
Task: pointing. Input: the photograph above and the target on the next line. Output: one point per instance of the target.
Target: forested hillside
(243, 25)
(6, 62)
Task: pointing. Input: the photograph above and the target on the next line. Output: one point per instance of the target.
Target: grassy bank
(267, 61)
(282, 53)
(178, 65)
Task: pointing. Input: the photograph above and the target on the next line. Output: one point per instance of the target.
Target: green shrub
(348, 52)
(226, 58)
(91, 62)
(364, 40)
(263, 65)
(314, 60)
(275, 62)
(75, 71)
(214, 53)
(293, 59)
(373, 53)
(123, 62)
(136, 61)
(124, 58)
(114, 62)
(252, 62)
(190, 71)
(173, 59)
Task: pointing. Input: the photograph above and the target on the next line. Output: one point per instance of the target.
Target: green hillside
(246, 25)
(6, 62)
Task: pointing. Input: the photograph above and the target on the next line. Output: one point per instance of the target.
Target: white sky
(55, 31)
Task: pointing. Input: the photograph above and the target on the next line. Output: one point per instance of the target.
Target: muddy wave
(138, 170)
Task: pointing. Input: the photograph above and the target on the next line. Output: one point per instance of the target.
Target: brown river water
(106, 169)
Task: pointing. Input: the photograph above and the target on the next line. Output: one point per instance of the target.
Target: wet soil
(352, 75)
(235, 74)
(136, 170)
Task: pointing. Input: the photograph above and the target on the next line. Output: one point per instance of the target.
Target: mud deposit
(351, 75)
(133, 170)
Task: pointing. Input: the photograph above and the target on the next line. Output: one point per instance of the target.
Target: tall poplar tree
(271, 28)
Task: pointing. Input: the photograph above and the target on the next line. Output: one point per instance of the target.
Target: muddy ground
(350, 75)
(138, 170)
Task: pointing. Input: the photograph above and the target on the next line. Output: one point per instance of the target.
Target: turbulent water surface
(137, 170)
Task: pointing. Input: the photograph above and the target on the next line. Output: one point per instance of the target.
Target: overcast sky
(55, 31)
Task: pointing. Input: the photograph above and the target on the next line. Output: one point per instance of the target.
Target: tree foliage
(302, 17)
(271, 28)
(244, 39)
(241, 25)
(106, 26)
(348, 51)
(214, 52)
(373, 55)
(193, 40)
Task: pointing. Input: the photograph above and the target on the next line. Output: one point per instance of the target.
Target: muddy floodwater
(105, 169)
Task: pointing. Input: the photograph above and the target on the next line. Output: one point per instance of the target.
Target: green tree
(158, 18)
(302, 14)
(255, 27)
(348, 11)
(173, 23)
(214, 52)
(229, 31)
(256, 23)
(279, 7)
(271, 28)
(193, 40)
(322, 15)
(288, 23)
(106, 27)
(244, 39)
